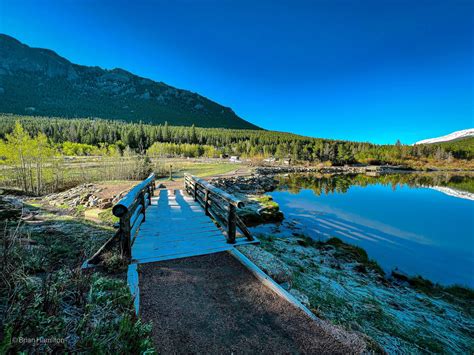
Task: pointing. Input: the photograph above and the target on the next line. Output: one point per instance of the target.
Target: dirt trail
(213, 304)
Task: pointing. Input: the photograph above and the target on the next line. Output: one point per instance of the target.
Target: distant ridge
(449, 137)
(38, 81)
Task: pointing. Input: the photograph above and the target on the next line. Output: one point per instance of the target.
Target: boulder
(271, 214)
(250, 216)
(255, 184)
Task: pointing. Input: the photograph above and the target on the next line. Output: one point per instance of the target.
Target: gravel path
(213, 304)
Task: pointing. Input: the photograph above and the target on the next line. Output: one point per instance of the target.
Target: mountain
(449, 137)
(40, 82)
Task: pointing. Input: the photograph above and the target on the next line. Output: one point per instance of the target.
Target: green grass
(456, 294)
(395, 318)
(267, 202)
(356, 253)
(107, 217)
(197, 168)
(44, 293)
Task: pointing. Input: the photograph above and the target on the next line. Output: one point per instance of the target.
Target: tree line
(37, 166)
(325, 184)
(166, 140)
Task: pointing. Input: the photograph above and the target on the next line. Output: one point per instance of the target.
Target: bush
(114, 262)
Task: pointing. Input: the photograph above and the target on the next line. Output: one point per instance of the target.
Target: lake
(420, 223)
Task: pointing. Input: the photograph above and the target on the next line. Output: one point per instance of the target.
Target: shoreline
(253, 189)
(351, 169)
(339, 283)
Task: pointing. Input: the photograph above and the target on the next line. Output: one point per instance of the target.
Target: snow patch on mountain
(449, 137)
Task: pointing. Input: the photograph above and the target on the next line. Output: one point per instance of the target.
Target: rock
(256, 210)
(347, 169)
(76, 202)
(269, 263)
(86, 195)
(271, 214)
(105, 203)
(300, 297)
(92, 202)
(119, 196)
(250, 216)
(255, 184)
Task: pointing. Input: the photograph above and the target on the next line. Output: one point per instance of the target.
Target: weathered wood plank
(185, 233)
(181, 228)
(176, 226)
(166, 239)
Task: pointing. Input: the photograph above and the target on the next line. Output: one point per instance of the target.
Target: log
(124, 205)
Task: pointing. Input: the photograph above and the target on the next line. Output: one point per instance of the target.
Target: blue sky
(373, 70)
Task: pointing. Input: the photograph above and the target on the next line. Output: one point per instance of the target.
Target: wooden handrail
(126, 202)
(215, 190)
(131, 211)
(218, 204)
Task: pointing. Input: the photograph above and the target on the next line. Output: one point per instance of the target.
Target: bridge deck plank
(177, 227)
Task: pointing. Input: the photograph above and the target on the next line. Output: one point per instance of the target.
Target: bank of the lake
(341, 282)
(418, 223)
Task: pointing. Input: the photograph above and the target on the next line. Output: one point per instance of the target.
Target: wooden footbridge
(200, 293)
(198, 220)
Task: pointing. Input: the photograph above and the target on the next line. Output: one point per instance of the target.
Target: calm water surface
(401, 222)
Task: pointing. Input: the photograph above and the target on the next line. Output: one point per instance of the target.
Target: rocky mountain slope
(40, 82)
(465, 133)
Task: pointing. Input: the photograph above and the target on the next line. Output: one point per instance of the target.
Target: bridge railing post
(231, 224)
(143, 203)
(206, 202)
(125, 235)
(151, 191)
